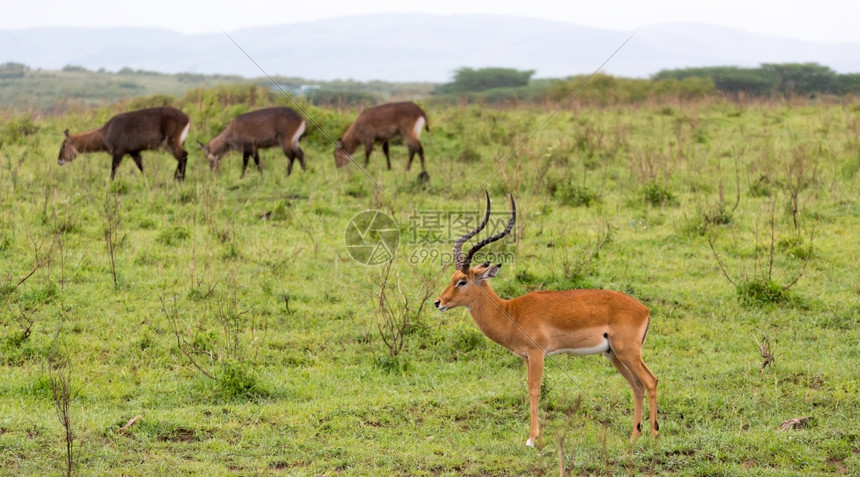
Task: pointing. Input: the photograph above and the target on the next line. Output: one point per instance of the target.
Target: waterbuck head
(464, 286)
(212, 158)
(68, 151)
(341, 158)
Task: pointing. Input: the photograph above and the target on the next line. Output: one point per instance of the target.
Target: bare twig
(111, 229)
(60, 378)
(795, 423)
(805, 260)
(171, 318)
(134, 420)
(39, 262)
(764, 350)
(719, 262)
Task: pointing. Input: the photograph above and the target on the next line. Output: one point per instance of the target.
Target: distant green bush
(607, 90)
(16, 130)
(482, 79)
(572, 194)
(657, 194)
(12, 70)
(761, 292)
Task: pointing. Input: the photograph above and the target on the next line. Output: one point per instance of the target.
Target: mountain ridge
(415, 47)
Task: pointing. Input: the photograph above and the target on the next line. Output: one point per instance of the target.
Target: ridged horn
(463, 264)
(458, 245)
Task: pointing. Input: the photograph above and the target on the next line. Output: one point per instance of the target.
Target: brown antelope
(543, 323)
(130, 133)
(257, 130)
(381, 124)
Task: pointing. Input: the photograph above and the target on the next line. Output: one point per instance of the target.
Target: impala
(544, 323)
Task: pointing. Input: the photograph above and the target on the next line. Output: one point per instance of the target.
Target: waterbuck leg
(301, 155)
(138, 160)
(367, 149)
(116, 161)
(387, 157)
(245, 156)
(421, 155)
(181, 156)
(291, 157)
(257, 160)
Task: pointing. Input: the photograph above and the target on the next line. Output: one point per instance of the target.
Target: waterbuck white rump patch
(184, 134)
(419, 125)
(298, 134)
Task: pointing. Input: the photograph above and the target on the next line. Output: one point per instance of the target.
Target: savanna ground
(106, 287)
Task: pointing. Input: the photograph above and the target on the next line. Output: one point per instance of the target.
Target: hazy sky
(820, 20)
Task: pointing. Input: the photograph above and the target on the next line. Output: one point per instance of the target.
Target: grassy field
(228, 314)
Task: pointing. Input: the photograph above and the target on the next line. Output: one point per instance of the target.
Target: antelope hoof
(530, 442)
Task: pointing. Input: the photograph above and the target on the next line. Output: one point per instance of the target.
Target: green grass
(314, 391)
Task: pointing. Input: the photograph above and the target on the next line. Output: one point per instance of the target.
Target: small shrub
(526, 277)
(717, 215)
(17, 130)
(237, 381)
(118, 187)
(761, 292)
(392, 364)
(573, 195)
(657, 194)
(762, 187)
(356, 187)
(795, 247)
(279, 213)
(173, 235)
(469, 155)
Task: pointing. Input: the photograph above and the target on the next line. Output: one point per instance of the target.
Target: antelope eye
(461, 283)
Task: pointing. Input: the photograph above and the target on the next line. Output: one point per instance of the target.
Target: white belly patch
(600, 348)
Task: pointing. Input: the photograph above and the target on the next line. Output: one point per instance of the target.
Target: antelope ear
(66, 132)
(491, 272)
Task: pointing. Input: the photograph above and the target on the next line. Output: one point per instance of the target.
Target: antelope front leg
(535, 371)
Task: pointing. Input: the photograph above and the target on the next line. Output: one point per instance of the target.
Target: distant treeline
(503, 85)
(23, 88)
(771, 79)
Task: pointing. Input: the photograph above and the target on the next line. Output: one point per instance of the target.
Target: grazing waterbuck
(381, 124)
(250, 132)
(133, 132)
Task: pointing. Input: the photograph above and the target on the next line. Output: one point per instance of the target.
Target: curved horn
(458, 245)
(492, 239)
